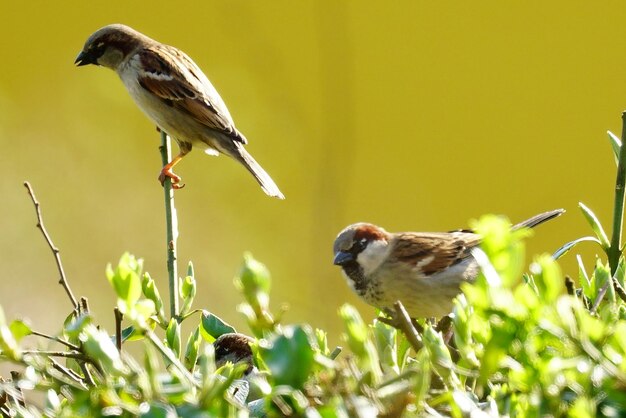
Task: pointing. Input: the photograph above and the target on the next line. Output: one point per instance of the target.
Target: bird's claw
(176, 184)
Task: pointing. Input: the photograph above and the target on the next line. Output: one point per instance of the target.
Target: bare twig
(10, 396)
(88, 377)
(619, 289)
(69, 373)
(570, 286)
(600, 296)
(19, 400)
(335, 353)
(84, 306)
(65, 354)
(63, 280)
(444, 325)
(3, 394)
(118, 328)
(57, 339)
(404, 323)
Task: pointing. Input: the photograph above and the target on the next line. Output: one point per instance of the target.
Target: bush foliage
(518, 344)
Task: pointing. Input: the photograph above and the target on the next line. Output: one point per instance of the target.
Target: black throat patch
(355, 272)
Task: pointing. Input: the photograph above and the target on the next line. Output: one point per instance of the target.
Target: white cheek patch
(373, 256)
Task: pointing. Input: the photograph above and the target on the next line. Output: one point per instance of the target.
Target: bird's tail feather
(264, 179)
(538, 219)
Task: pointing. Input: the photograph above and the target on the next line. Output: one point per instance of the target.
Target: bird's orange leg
(166, 171)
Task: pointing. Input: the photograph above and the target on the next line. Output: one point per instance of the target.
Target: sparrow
(175, 94)
(235, 348)
(423, 270)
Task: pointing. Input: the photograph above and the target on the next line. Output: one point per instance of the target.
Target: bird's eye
(359, 245)
(97, 50)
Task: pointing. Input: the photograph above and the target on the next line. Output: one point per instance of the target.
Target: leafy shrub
(518, 344)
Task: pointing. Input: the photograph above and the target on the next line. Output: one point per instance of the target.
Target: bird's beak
(343, 257)
(84, 58)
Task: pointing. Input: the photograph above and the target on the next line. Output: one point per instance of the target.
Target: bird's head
(360, 247)
(110, 45)
(235, 348)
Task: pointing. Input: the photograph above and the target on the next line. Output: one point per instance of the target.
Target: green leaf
(355, 328)
(190, 271)
(142, 312)
(422, 381)
(583, 407)
(460, 319)
(503, 247)
(53, 402)
(595, 225)
(616, 145)
(20, 329)
(322, 341)
(296, 404)
(8, 344)
(602, 277)
(75, 326)
(289, 356)
(131, 334)
(502, 336)
(359, 341)
(99, 346)
(187, 293)
(583, 279)
(385, 340)
(254, 282)
(151, 292)
(548, 278)
(192, 349)
(172, 336)
(212, 326)
(441, 359)
(125, 280)
(206, 361)
(566, 247)
(160, 410)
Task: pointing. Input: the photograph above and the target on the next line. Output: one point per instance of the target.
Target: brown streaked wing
(446, 249)
(181, 86)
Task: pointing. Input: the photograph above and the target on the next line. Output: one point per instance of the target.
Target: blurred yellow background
(413, 115)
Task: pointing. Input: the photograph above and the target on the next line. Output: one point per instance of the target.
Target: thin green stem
(615, 251)
(169, 355)
(188, 314)
(172, 227)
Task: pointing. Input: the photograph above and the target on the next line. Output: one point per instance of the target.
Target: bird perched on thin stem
(175, 94)
(423, 270)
